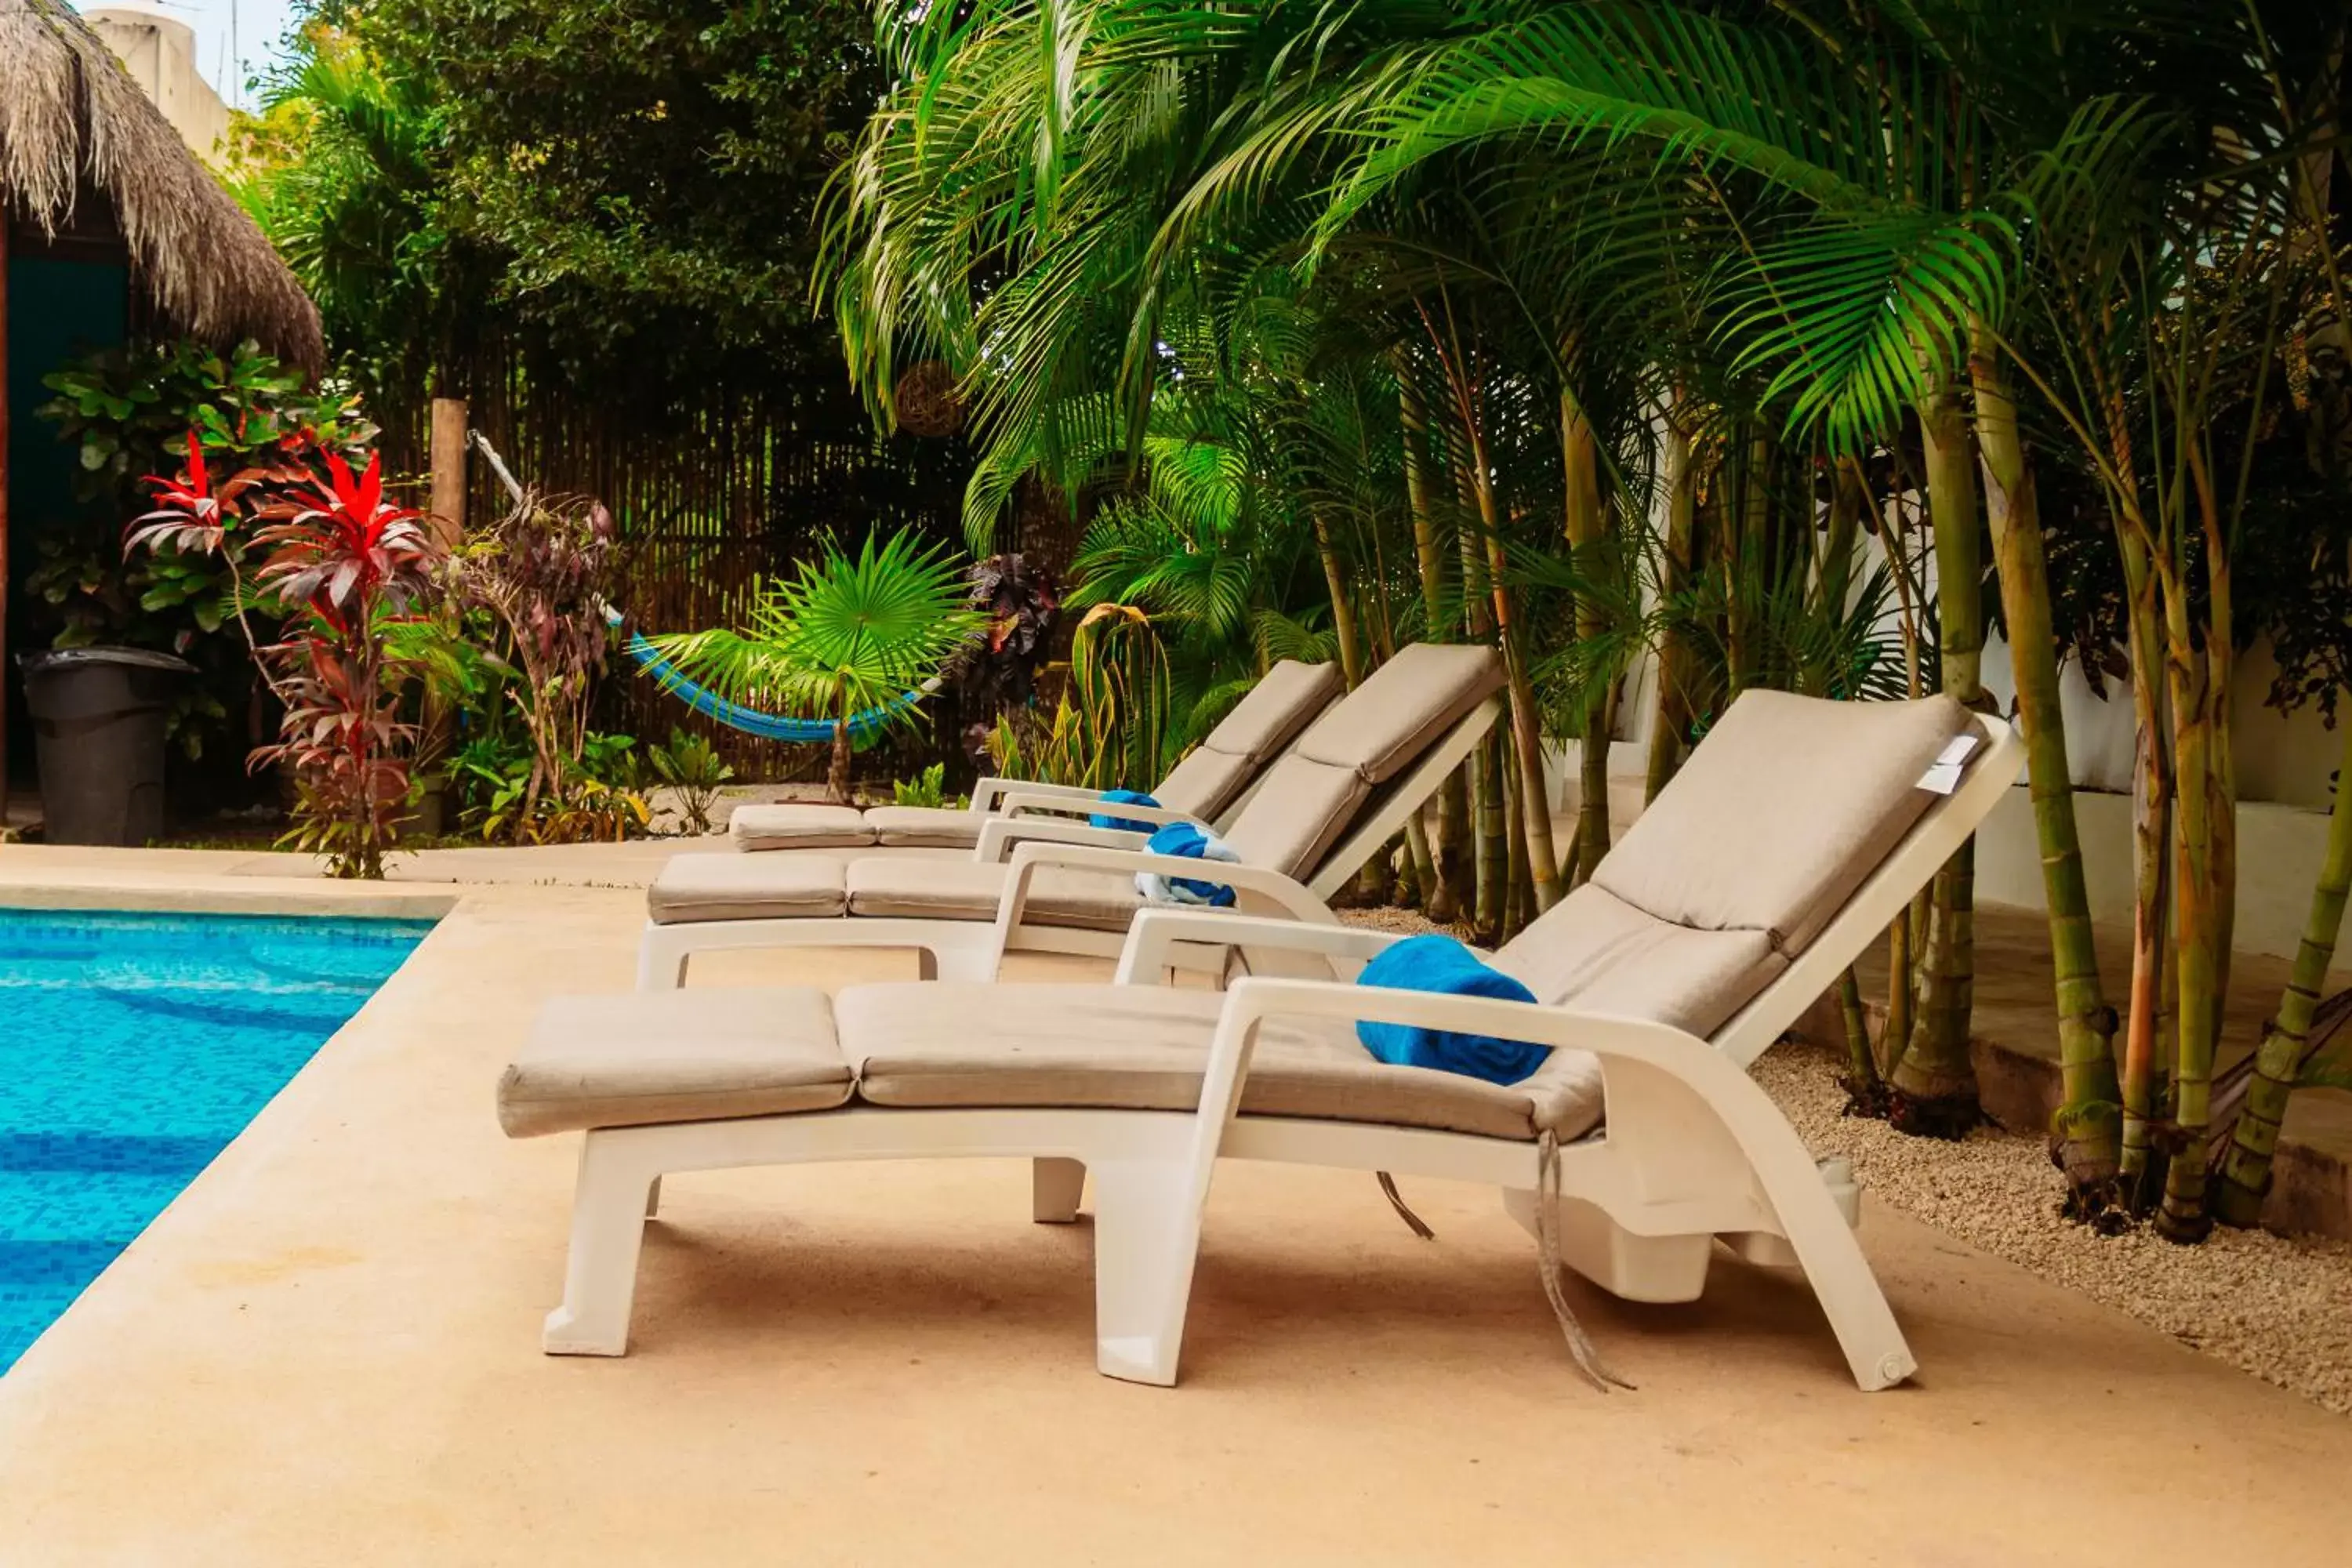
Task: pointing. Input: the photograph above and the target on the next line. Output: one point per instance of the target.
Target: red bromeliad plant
(341, 562)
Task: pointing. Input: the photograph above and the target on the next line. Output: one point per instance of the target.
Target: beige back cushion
(1312, 796)
(1770, 827)
(1204, 784)
(1387, 723)
(1596, 953)
(1296, 814)
(1285, 700)
(1780, 812)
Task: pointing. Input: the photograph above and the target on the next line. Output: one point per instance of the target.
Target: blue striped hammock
(751, 720)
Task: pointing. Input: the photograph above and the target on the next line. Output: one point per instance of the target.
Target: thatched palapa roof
(71, 120)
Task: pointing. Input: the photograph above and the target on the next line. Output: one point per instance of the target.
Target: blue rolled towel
(1124, 823)
(1184, 838)
(1440, 964)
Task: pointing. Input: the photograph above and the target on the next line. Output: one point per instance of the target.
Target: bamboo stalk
(2245, 1174)
(2182, 1216)
(2087, 1121)
(1437, 864)
(1527, 737)
(1586, 525)
(1493, 843)
(1672, 718)
(1518, 904)
(1490, 835)
(1343, 612)
(2152, 798)
(1865, 1090)
(1935, 1084)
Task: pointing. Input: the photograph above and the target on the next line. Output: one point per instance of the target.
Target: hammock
(751, 720)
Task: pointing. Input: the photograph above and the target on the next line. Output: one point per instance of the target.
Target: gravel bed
(2278, 1306)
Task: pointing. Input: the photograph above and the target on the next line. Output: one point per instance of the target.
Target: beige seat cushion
(746, 887)
(885, 886)
(639, 1059)
(795, 824)
(1780, 812)
(1145, 1046)
(1398, 714)
(1597, 953)
(925, 827)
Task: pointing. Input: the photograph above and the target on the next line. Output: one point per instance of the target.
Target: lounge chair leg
(964, 965)
(1831, 1256)
(600, 1278)
(1147, 1236)
(1055, 1188)
(660, 965)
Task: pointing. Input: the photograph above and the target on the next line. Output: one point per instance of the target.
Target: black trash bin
(98, 726)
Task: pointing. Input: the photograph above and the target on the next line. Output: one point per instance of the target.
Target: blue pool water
(133, 1048)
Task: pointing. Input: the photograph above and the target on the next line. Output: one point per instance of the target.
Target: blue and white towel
(1124, 823)
(1184, 838)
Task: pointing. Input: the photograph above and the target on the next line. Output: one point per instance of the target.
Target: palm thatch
(72, 120)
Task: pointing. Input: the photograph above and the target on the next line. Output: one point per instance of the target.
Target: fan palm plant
(844, 634)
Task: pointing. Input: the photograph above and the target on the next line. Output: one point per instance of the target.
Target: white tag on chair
(1943, 775)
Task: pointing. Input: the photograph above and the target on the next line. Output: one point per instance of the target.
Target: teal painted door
(58, 309)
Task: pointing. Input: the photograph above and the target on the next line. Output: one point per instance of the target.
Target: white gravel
(2278, 1306)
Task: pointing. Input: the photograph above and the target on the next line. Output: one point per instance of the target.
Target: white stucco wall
(160, 52)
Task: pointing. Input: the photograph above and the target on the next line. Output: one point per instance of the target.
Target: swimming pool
(133, 1048)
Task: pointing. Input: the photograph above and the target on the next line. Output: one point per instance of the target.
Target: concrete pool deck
(327, 1351)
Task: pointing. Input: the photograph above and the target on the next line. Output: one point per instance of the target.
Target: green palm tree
(1840, 235)
(843, 636)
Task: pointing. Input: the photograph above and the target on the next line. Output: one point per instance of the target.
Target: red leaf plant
(341, 564)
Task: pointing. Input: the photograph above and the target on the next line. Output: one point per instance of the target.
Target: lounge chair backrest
(1370, 741)
(1781, 814)
(1211, 775)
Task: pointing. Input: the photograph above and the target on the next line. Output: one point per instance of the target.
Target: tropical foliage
(842, 635)
(1674, 349)
(616, 191)
(341, 562)
(127, 413)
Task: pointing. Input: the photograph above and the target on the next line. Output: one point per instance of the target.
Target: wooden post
(448, 456)
(446, 509)
(3, 511)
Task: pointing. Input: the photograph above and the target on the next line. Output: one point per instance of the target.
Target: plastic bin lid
(39, 661)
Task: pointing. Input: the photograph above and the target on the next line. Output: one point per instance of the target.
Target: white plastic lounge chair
(1329, 805)
(1205, 788)
(1790, 841)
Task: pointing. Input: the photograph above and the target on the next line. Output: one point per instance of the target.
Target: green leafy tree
(843, 636)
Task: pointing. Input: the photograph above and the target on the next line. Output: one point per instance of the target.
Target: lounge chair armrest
(1022, 802)
(1285, 893)
(985, 793)
(1000, 835)
(1156, 932)
(1612, 1037)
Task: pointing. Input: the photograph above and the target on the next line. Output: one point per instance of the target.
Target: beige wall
(160, 53)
